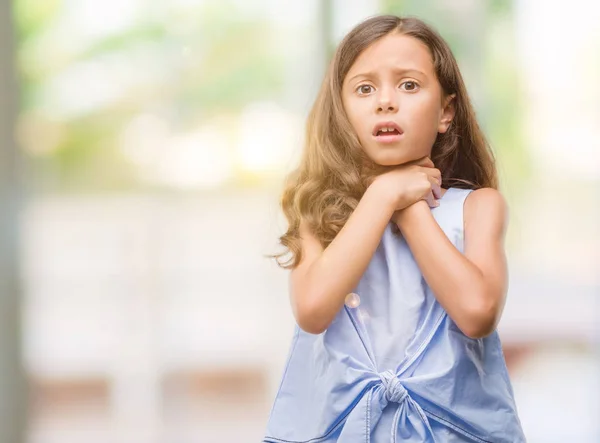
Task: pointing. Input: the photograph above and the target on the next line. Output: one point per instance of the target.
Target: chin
(396, 156)
(390, 160)
(388, 163)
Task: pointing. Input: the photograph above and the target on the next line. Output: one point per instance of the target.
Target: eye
(364, 89)
(410, 86)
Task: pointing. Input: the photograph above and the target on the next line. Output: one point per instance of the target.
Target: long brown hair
(332, 177)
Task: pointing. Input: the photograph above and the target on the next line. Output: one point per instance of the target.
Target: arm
(470, 287)
(323, 278)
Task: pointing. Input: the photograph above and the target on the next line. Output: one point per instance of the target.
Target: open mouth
(387, 131)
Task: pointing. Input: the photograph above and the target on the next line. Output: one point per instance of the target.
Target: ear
(447, 113)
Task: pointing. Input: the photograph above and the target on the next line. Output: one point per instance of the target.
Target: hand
(409, 183)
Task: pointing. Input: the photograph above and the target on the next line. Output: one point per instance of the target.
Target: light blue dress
(395, 367)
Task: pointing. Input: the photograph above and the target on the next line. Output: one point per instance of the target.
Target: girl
(398, 271)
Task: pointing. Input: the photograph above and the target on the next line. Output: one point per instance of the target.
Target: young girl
(398, 271)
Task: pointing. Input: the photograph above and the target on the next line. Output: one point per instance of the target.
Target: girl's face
(394, 100)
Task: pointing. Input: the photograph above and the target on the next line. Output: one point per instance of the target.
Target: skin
(394, 80)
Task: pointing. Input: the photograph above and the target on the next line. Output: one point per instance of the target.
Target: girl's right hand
(409, 183)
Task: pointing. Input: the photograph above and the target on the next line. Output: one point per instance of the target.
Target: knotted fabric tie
(394, 391)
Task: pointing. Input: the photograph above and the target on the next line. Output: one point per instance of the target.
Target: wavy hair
(334, 171)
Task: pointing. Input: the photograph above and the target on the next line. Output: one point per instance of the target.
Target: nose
(387, 101)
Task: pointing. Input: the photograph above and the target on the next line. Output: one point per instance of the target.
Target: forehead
(394, 51)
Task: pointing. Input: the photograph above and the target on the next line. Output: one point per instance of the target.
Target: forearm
(458, 284)
(341, 265)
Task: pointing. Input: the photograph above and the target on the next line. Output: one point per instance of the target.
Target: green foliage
(205, 60)
(32, 16)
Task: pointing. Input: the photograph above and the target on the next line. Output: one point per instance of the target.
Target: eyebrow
(396, 71)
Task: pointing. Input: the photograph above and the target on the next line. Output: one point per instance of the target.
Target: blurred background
(143, 148)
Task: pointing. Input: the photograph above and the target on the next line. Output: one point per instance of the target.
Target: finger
(431, 201)
(437, 192)
(432, 172)
(436, 189)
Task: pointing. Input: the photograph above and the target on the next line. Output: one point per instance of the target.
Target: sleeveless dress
(393, 366)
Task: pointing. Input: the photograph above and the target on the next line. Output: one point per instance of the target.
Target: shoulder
(486, 198)
(486, 207)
